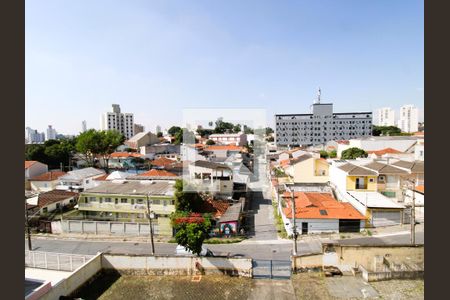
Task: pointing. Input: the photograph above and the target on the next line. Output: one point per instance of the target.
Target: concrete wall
(75, 280)
(119, 228)
(177, 265)
(43, 186)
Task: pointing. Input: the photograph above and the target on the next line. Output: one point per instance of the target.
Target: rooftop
(133, 187)
(50, 197)
(125, 154)
(29, 163)
(209, 165)
(353, 170)
(49, 176)
(223, 147)
(157, 173)
(384, 151)
(374, 200)
(82, 173)
(162, 162)
(319, 206)
(384, 168)
(412, 166)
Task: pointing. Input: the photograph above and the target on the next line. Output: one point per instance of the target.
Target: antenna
(318, 96)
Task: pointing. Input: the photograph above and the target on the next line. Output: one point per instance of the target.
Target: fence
(55, 261)
(103, 227)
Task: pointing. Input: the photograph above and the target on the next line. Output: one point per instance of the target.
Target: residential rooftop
(353, 170)
(49, 176)
(82, 173)
(374, 200)
(133, 187)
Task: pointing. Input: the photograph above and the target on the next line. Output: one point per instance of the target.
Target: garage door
(349, 225)
(386, 218)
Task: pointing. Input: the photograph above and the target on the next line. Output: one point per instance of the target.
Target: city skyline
(166, 56)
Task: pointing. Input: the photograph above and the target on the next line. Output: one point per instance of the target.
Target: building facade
(320, 126)
(34, 137)
(409, 118)
(116, 120)
(51, 133)
(385, 117)
(83, 126)
(138, 128)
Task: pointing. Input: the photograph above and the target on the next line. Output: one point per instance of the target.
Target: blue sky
(155, 58)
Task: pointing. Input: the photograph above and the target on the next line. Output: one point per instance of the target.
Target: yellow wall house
(359, 179)
(127, 201)
(308, 168)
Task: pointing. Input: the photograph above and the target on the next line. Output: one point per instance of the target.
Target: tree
(174, 130)
(210, 142)
(186, 201)
(386, 130)
(204, 132)
(191, 230)
(159, 134)
(269, 130)
(185, 136)
(237, 128)
(222, 127)
(270, 139)
(333, 154)
(353, 153)
(248, 130)
(110, 139)
(324, 154)
(52, 153)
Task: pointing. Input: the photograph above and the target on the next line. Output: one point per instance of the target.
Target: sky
(156, 58)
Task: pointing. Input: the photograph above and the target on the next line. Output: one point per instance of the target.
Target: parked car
(181, 250)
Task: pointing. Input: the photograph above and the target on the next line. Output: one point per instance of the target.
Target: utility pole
(150, 224)
(294, 252)
(27, 224)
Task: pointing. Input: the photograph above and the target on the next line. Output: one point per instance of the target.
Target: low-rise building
(155, 151)
(123, 159)
(126, 200)
(53, 200)
(33, 168)
(237, 139)
(142, 139)
(213, 177)
(319, 213)
(46, 181)
(222, 151)
(80, 180)
(307, 168)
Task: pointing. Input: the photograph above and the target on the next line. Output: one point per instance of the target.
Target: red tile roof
(102, 178)
(343, 142)
(157, 173)
(224, 147)
(54, 196)
(310, 205)
(216, 207)
(125, 154)
(162, 162)
(420, 188)
(49, 176)
(29, 163)
(384, 151)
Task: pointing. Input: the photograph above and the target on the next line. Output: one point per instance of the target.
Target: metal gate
(272, 269)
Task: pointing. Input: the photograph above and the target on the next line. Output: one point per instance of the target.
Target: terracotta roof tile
(29, 163)
(157, 173)
(162, 162)
(319, 206)
(384, 151)
(125, 154)
(47, 198)
(223, 147)
(49, 176)
(420, 188)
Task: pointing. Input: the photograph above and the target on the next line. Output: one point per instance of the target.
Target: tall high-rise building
(158, 129)
(321, 126)
(385, 117)
(116, 120)
(33, 136)
(409, 118)
(51, 133)
(83, 126)
(138, 128)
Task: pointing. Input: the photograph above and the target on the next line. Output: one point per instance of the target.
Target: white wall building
(321, 126)
(33, 136)
(83, 126)
(409, 118)
(51, 133)
(385, 117)
(116, 120)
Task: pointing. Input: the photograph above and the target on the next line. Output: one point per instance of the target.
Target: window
(91, 199)
(87, 181)
(371, 180)
(123, 200)
(45, 210)
(107, 200)
(139, 201)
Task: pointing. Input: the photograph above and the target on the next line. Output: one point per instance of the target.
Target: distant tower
(318, 96)
(83, 126)
(158, 129)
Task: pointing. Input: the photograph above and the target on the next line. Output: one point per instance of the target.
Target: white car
(180, 250)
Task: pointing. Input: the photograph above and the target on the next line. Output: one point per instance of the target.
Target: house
(162, 163)
(53, 200)
(212, 177)
(307, 168)
(419, 150)
(80, 179)
(358, 185)
(142, 139)
(123, 159)
(222, 151)
(237, 139)
(388, 152)
(290, 154)
(418, 195)
(415, 169)
(229, 222)
(170, 151)
(46, 181)
(116, 175)
(127, 200)
(319, 213)
(192, 152)
(33, 168)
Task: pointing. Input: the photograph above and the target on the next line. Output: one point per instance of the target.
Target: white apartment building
(33, 136)
(409, 118)
(320, 126)
(116, 120)
(51, 133)
(386, 117)
(237, 139)
(83, 126)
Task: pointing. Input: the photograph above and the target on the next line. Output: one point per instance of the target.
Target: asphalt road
(256, 249)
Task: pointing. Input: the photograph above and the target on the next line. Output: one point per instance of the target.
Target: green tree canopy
(185, 136)
(237, 128)
(248, 130)
(269, 130)
(210, 142)
(159, 134)
(386, 130)
(52, 153)
(204, 132)
(223, 127)
(185, 200)
(191, 230)
(174, 130)
(333, 154)
(324, 154)
(353, 153)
